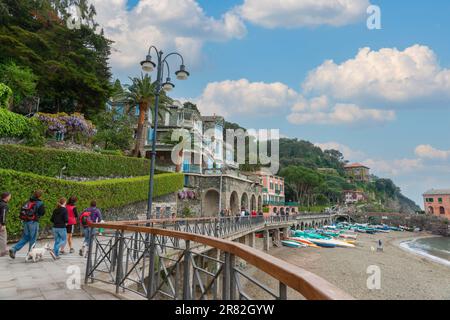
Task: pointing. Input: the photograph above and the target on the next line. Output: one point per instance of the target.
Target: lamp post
(148, 66)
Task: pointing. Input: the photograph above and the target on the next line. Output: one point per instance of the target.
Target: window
(430, 200)
(440, 200)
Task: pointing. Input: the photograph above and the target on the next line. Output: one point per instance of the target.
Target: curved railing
(169, 264)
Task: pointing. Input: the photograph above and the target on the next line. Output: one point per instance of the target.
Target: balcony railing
(281, 203)
(192, 168)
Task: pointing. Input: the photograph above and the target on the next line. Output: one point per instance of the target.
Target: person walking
(73, 217)
(90, 215)
(4, 199)
(30, 214)
(60, 218)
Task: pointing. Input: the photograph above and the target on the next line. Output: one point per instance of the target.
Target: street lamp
(148, 66)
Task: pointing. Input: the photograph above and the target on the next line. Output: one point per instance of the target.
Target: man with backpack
(4, 199)
(30, 214)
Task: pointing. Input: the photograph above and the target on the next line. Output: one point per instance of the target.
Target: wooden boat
(291, 244)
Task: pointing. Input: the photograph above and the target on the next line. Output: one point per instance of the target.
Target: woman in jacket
(59, 218)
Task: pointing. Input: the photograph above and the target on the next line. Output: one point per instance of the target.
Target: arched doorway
(244, 201)
(234, 203)
(211, 203)
(253, 203)
(260, 203)
(430, 210)
(441, 210)
(275, 211)
(282, 211)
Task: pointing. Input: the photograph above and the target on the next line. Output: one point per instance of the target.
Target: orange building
(357, 172)
(437, 202)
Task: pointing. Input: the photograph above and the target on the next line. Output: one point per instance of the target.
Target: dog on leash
(37, 254)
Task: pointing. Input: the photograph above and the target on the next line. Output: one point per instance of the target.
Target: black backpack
(29, 211)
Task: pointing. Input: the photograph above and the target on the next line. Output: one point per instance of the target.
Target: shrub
(74, 125)
(12, 125)
(49, 162)
(113, 193)
(5, 95)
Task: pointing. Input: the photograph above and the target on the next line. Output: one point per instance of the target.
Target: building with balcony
(357, 172)
(274, 201)
(354, 196)
(213, 182)
(437, 202)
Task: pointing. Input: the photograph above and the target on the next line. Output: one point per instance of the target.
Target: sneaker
(81, 252)
(57, 257)
(52, 253)
(72, 250)
(12, 254)
(62, 253)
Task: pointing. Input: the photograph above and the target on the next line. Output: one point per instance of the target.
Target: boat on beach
(291, 244)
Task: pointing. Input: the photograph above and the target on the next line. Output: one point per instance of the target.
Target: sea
(436, 248)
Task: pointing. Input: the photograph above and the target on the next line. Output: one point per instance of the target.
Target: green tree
(71, 64)
(21, 80)
(114, 130)
(303, 181)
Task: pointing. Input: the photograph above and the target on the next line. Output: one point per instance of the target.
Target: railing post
(186, 272)
(114, 251)
(283, 291)
(151, 267)
(119, 260)
(226, 278)
(89, 257)
(232, 277)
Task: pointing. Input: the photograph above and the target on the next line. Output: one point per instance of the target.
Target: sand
(404, 275)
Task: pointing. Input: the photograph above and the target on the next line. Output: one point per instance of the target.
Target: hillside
(316, 178)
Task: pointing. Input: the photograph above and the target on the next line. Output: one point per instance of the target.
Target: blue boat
(291, 244)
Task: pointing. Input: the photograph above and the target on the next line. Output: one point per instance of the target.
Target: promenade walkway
(47, 279)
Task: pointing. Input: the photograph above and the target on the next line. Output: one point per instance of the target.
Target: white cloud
(394, 167)
(170, 25)
(338, 114)
(429, 152)
(349, 153)
(300, 13)
(239, 97)
(387, 74)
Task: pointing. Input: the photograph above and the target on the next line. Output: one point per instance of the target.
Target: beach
(404, 275)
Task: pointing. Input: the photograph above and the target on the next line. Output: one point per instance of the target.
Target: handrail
(209, 219)
(306, 283)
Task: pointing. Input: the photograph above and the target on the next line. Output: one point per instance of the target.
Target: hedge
(49, 162)
(113, 193)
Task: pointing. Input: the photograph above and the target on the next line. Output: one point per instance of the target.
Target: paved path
(46, 280)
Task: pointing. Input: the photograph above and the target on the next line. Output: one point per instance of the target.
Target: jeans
(87, 234)
(30, 234)
(3, 241)
(60, 235)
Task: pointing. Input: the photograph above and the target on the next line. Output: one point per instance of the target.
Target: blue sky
(258, 64)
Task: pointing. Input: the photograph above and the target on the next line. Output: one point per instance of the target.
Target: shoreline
(404, 275)
(403, 244)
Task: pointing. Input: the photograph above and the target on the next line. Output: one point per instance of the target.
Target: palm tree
(141, 94)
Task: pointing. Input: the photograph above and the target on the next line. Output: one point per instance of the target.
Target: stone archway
(260, 204)
(253, 203)
(430, 210)
(275, 210)
(244, 201)
(234, 203)
(211, 203)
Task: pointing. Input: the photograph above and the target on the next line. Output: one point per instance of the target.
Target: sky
(311, 68)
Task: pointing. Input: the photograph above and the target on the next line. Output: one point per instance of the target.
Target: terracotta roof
(437, 192)
(356, 165)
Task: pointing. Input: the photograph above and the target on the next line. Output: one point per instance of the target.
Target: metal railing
(158, 263)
